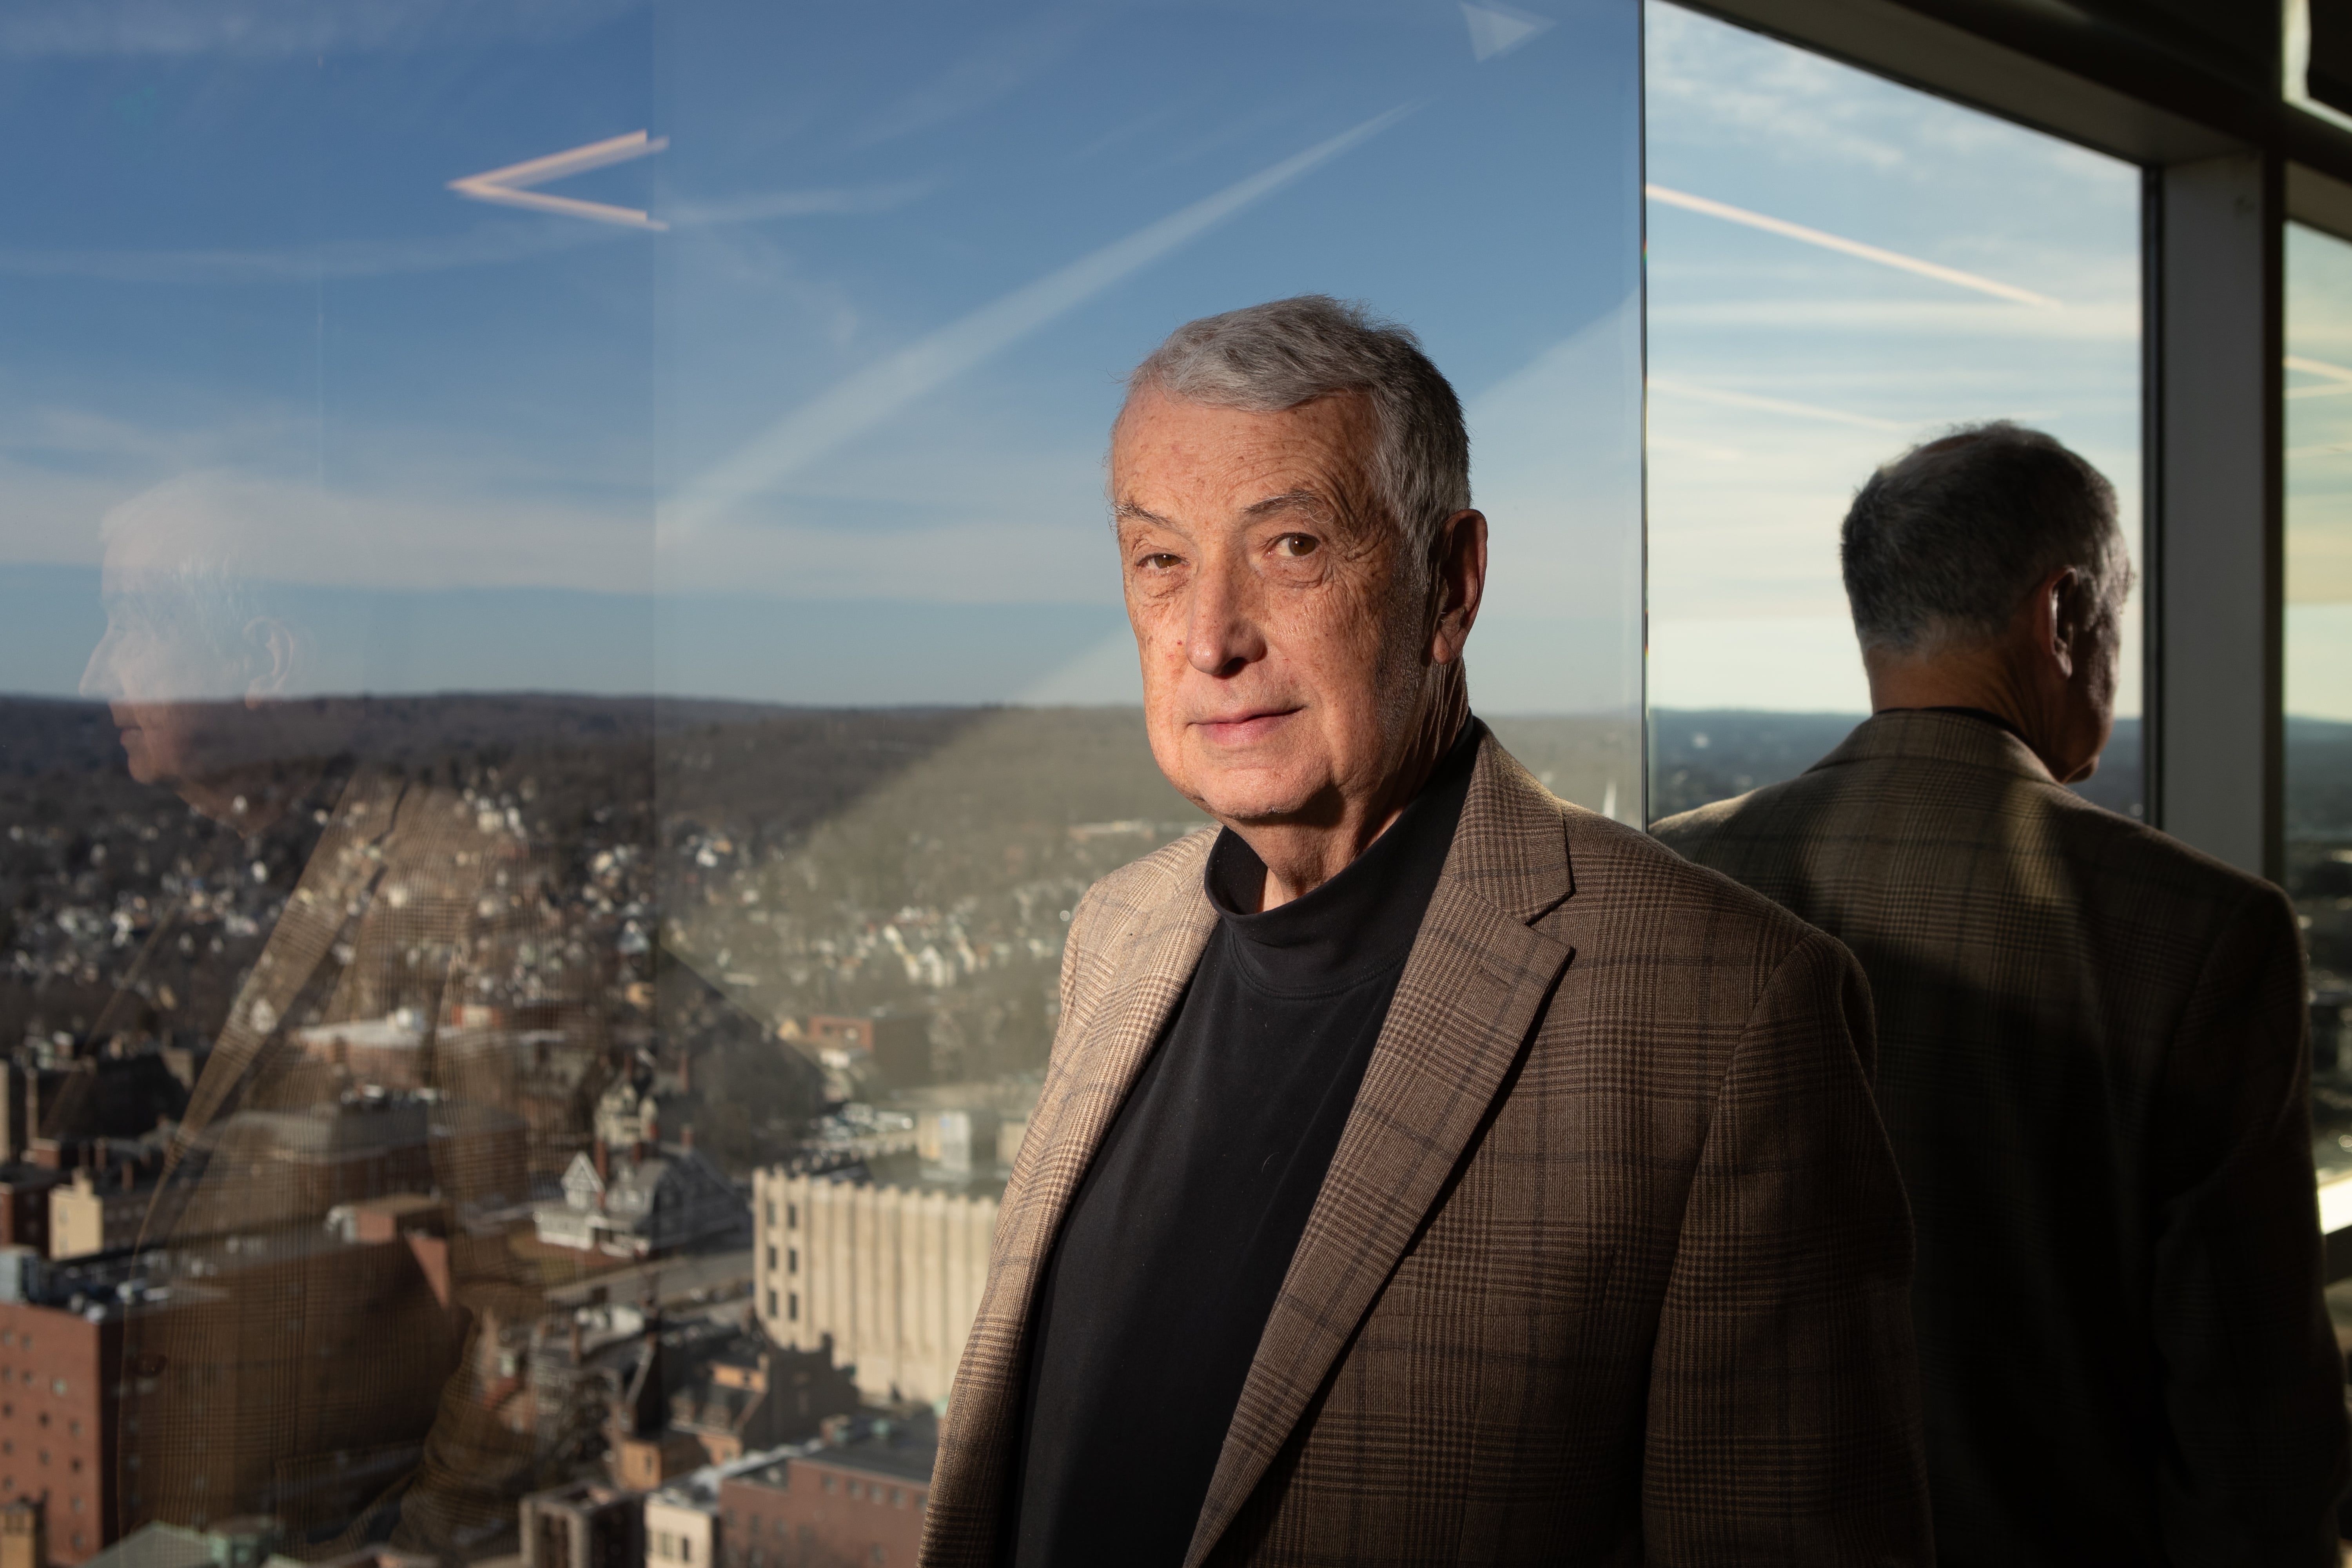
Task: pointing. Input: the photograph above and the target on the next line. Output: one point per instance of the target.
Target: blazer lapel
(1088, 1084)
(1472, 989)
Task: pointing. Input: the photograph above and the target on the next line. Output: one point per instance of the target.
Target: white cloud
(1556, 465)
(274, 29)
(486, 244)
(762, 207)
(999, 68)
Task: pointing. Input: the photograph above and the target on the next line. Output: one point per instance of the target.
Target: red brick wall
(804, 1524)
(60, 1445)
(24, 1216)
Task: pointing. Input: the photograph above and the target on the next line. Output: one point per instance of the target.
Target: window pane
(896, 320)
(1840, 268)
(2318, 658)
(563, 649)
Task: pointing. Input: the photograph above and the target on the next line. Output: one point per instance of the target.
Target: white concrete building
(890, 1276)
(681, 1529)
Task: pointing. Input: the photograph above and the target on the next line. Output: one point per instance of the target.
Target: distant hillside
(1701, 755)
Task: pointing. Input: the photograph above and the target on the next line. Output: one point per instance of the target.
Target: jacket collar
(1926, 735)
(1473, 986)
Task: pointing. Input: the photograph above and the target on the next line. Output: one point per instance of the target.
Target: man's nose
(1222, 635)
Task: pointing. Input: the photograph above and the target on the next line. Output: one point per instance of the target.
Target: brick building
(859, 1499)
(24, 1206)
(584, 1525)
(58, 1440)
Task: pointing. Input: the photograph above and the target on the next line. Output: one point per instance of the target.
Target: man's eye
(1160, 560)
(1294, 545)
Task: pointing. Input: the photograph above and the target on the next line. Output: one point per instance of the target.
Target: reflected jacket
(353, 1393)
(1609, 1267)
(2093, 1064)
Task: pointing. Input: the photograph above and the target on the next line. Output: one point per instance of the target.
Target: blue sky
(846, 410)
(1783, 371)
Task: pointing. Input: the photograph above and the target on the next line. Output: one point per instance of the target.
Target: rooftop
(893, 1449)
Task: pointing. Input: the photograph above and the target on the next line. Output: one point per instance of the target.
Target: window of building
(771, 1304)
(792, 1307)
(1840, 267)
(793, 1265)
(772, 1258)
(792, 1217)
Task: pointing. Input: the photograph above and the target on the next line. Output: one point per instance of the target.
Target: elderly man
(1426, 1170)
(2092, 1040)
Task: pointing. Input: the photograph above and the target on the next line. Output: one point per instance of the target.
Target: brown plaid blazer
(2092, 1063)
(1610, 1265)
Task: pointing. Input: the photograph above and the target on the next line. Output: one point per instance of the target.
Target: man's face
(1277, 617)
(169, 688)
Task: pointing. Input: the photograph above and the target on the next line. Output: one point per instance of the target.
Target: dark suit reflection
(2092, 1064)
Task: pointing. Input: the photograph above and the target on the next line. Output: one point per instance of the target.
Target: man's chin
(141, 763)
(1246, 795)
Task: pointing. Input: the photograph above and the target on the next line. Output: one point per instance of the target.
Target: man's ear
(269, 653)
(2062, 615)
(1457, 583)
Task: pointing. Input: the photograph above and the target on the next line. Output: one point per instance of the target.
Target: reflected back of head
(1941, 544)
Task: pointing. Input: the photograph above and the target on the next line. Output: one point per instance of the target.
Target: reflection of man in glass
(1426, 1170)
(205, 638)
(334, 1316)
(2093, 1062)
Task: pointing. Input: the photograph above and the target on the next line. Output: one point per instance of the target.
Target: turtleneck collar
(1364, 919)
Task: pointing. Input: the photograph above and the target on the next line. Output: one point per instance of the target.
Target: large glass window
(586, 524)
(2319, 659)
(1840, 268)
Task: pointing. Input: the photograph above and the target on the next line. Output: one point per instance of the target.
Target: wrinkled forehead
(1169, 450)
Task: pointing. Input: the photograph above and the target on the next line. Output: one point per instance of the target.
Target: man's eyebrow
(1128, 511)
(1305, 500)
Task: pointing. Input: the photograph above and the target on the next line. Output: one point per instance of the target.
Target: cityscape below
(679, 1177)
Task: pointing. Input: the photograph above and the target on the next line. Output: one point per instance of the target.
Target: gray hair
(1942, 542)
(1266, 358)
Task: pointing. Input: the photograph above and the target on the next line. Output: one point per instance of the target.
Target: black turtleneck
(1149, 1310)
